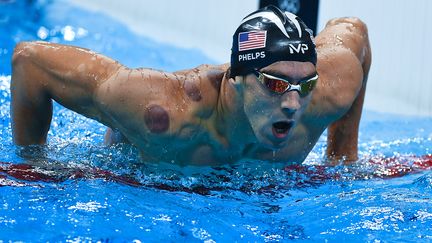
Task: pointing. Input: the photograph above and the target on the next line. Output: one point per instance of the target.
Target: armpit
(113, 136)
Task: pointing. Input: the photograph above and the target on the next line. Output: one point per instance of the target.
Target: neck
(231, 122)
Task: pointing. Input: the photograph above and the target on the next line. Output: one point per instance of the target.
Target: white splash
(88, 206)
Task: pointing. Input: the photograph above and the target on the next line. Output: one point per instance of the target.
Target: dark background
(307, 10)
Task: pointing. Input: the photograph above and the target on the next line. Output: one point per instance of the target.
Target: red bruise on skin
(157, 119)
(192, 91)
(215, 77)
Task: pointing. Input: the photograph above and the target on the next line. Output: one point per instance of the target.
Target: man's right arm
(43, 71)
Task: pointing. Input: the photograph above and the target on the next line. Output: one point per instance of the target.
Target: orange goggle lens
(280, 86)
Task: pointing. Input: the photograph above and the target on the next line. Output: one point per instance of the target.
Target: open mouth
(281, 129)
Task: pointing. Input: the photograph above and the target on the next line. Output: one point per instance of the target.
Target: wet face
(272, 115)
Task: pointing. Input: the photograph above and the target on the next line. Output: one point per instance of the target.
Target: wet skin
(199, 116)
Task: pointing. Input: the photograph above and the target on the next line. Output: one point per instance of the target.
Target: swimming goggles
(280, 85)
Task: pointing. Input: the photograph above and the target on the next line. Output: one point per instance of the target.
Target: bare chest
(192, 147)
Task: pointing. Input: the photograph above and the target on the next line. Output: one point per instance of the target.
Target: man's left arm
(342, 136)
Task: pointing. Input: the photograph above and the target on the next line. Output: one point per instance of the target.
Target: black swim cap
(267, 36)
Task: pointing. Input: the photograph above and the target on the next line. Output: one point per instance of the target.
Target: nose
(290, 103)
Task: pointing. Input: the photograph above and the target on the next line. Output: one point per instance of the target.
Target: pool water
(76, 189)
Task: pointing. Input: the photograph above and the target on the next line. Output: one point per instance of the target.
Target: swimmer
(272, 102)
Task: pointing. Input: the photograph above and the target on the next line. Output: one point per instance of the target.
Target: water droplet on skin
(81, 67)
(129, 74)
(166, 76)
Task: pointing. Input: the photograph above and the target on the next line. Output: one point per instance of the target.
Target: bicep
(71, 75)
(340, 80)
(344, 58)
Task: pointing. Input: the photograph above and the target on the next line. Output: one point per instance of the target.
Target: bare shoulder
(201, 86)
(159, 103)
(349, 32)
(344, 58)
(88, 65)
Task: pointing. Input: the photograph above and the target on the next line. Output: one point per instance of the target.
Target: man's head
(273, 59)
(267, 36)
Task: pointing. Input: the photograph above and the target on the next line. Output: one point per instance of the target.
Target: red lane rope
(32, 173)
(302, 175)
(398, 166)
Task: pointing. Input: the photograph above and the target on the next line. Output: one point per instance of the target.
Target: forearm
(30, 121)
(31, 107)
(342, 135)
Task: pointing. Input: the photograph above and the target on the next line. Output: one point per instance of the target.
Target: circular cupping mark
(157, 119)
(192, 91)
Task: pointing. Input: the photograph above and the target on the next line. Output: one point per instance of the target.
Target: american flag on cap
(252, 40)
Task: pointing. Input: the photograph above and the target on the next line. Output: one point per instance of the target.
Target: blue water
(84, 191)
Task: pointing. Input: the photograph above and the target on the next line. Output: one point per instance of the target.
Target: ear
(235, 93)
(237, 83)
